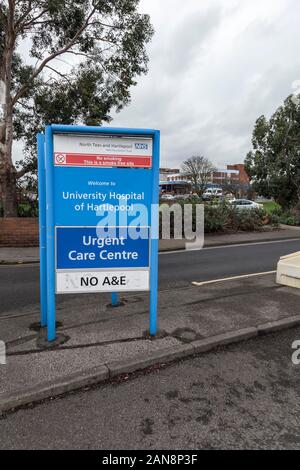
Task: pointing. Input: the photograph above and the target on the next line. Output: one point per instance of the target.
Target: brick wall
(244, 178)
(19, 232)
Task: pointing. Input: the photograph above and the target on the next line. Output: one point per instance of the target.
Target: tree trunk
(8, 186)
(8, 190)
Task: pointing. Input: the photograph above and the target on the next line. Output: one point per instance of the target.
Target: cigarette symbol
(60, 158)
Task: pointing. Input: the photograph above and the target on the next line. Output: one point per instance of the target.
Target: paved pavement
(113, 340)
(240, 397)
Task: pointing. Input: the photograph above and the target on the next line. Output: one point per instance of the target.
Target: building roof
(172, 182)
(228, 172)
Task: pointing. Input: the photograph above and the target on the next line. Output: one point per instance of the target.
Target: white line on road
(244, 276)
(220, 247)
(19, 265)
(176, 252)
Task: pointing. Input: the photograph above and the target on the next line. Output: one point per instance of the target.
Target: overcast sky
(215, 67)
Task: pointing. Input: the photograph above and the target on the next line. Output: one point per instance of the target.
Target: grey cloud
(210, 104)
(213, 71)
(187, 43)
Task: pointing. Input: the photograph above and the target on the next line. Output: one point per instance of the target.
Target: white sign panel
(102, 151)
(101, 281)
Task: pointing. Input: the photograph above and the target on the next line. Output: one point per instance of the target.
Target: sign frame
(47, 220)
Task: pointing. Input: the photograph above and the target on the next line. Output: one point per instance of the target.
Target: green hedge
(223, 217)
(226, 218)
(28, 209)
(286, 217)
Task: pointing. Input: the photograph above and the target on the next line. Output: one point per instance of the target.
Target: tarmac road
(240, 397)
(19, 285)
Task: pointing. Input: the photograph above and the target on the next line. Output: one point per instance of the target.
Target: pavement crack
(102, 320)
(226, 296)
(19, 341)
(78, 346)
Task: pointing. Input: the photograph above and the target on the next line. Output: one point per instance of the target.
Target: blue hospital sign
(98, 202)
(87, 261)
(101, 182)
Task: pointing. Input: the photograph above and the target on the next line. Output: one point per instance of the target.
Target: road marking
(244, 276)
(8, 316)
(176, 252)
(220, 247)
(19, 265)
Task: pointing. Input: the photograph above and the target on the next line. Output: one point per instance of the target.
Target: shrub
(26, 209)
(226, 218)
(286, 217)
(274, 219)
(218, 218)
(223, 217)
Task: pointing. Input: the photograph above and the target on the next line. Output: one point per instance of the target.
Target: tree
(274, 163)
(83, 58)
(198, 170)
(237, 189)
(234, 188)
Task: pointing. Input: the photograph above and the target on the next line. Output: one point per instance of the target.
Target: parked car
(167, 197)
(212, 193)
(246, 204)
(229, 197)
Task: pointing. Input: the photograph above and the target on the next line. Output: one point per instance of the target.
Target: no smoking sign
(60, 159)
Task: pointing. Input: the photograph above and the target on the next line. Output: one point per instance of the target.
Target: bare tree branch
(52, 56)
(59, 73)
(34, 21)
(106, 25)
(2, 14)
(27, 11)
(198, 169)
(26, 169)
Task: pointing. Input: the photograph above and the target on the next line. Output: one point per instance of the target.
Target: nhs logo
(141, 146)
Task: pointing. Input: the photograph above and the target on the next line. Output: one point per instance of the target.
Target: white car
(246, 204)
(167, 197)
(212, 193)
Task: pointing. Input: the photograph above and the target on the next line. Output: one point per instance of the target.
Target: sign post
(102, 195)
(114, 299)
(42, 227)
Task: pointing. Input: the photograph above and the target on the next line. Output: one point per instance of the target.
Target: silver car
(246, 204)
(167, 197)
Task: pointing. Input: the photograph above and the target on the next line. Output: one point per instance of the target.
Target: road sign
(112, 262)
(102, 213)
(102, 150)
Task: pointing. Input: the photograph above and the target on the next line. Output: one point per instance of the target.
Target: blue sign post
(42, 227)
(101, 207)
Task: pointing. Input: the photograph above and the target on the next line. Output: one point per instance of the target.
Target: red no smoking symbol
(60, 158)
